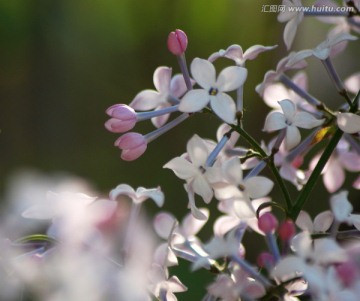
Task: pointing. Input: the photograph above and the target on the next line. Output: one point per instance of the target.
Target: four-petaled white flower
(167, 87)
(235, 53)
(290, 120)
(193, 170)
(231, 78)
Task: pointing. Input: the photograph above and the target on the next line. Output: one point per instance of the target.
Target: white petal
(203, 72)
(224, 224)
(289, 109)
(122, 189)
(223, 106)
(306, 121)
(352, 83)
(40, 212)
(304, 221)
(323, 221)
(163, 223)
(178, 86)
(253, 51)
(274, 121)
(290, 31)
(273, 93)
(297, 57)
(197, 151)
(194, 101)
(182, 168)
(146, 100)
(232, 171)
(202, 188)
(334, 175)
(231, 78)
(195, 211)
(244, 210)
(288, 268)
(175, 285)
(340, 206)
(292, 137)
(162, 77)
(258, 187)
(348, 122)
(190, 226)
(153, 193)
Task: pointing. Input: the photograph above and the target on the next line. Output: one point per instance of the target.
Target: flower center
(213, 91)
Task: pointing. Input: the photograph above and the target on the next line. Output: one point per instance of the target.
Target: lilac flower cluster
(113, 255)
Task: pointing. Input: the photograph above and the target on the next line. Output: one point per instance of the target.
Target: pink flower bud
(348, 272)
(265, 260)
(177, 42)
(267, 223)
(287, 230)
(123, 118)
(133, 145)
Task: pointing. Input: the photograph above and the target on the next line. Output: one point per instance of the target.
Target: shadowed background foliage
(63, 62)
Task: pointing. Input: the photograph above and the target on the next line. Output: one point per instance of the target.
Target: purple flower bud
(123, 118)
(287, 230)
(265, 260)
(177, 42)
(267, 223)
(133, 145)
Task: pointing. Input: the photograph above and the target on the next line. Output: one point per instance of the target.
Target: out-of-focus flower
(290, 120)
(342, 208)
(321, 223)
(213, 90)
(348, 122)
(352, 83)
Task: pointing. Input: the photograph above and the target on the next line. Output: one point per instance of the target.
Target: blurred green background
(63, 62)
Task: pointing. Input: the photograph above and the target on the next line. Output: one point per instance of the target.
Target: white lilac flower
(192, 168)
(324, 50)
(213, 89)
(167, 87)
(293, 17)
(290, 120)
(322, 222)
(235, 53)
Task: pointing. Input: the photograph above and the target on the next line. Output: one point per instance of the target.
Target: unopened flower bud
(133, 145)
(177, 42)
(347, 272)
(287, 230)
(265, 260)
(267, 223)
(123, 118)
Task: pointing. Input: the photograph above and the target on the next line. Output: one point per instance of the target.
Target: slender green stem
(270, 163)
(305, 192)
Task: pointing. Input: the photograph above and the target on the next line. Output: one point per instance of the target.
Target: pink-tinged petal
(214, 56)
(182, 168)
(163, 224)
(175, 285)
(306, 121)
(356, 183)
(122, 189)
(202, 188)
(231, 78)
(301, 79)
(163, 255)
(350, 161)
(153, 193)
(232, 171)
(146, 100)
(195, 211)
(197, 151)
(162, 77)
(190, 226)
(194, 101)
(297, 57)
(130, 140)
(323, 221)
(290, 31)
(334, 175)
(289, 109)
(119, 126)
(274, 121)
(292, 137)
(224, 107)
(159, 121)
(252, 52)
(234, 52)
(352, 83)
(304, 222)
(348, 122)
(273, 93)
(203, 72)
(340, 206)
(258, 187)
(224, 224)
(178, 86)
